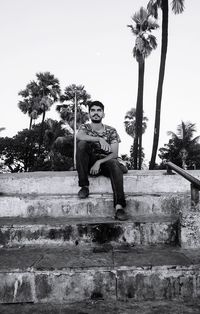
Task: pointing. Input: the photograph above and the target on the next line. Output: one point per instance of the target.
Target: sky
(88, 42)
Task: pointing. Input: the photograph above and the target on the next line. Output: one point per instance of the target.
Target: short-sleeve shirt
(109, 134)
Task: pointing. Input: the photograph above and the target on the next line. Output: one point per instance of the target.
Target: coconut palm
(153, 6)
(182, 145)
(73, 109)
(144, 44)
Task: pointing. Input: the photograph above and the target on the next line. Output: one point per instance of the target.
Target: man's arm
(114, 154)
(82, 136)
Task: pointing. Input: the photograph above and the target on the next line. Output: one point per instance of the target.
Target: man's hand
(104, 145)
(95, 168)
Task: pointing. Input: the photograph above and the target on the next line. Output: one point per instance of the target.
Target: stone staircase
(56, 248)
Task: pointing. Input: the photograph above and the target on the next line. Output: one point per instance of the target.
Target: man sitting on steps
(97, 153)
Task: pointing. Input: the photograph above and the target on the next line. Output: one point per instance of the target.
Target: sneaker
(121, 215)
(84, 192)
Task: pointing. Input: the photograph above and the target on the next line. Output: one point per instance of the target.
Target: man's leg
(113, 170)
(84, 159)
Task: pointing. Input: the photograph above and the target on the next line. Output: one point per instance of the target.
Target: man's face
(96, 114)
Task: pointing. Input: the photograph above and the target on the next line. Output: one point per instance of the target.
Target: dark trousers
(86, 157)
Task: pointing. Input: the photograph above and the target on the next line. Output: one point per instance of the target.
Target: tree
(49, 93)
(14, 152)
(144, 44)
(153, 6)
(31, 101)
(130, 122)
(182, 149)
(67, 108)
(38, 97)
(130, 128)
(73, 109)
(19, 153)
(59, 143)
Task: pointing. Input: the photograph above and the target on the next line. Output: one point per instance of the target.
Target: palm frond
(152, 41)
(145, 42)
(196, 139)
(152, 24)
(177, 6)
(172, 134)
(134, 30)
(153, 6)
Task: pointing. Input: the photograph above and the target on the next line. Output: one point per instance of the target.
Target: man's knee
(112, 163)
(82, 146)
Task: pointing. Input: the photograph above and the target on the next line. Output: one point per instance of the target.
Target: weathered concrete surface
(67, 182)
(97, 205)
(47, 231)
(66, 275)
(17, 287)
(102, 306)
(190, 229)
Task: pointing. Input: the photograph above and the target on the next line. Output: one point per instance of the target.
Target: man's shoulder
(85, 126)
(109, 128)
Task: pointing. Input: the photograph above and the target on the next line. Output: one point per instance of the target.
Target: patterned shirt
(109, 134)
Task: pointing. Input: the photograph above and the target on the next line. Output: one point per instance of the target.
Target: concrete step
(143, 230)
(64, 275)
(96, 205)
(102, 306)
(137, 181)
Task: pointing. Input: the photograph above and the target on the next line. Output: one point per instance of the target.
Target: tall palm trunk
(31, 121)
(26, 159)
(165, 9)
(139, 114)
(41, 132)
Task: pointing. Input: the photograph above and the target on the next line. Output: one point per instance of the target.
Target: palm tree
(31, 101)
(67, 109)
(130, 122)
(177, 7)
(182, 146)
(144, 44)
(130, 128)
(49, 92)
(73, 109)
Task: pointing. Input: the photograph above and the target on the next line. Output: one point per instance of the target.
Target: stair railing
(195, 183)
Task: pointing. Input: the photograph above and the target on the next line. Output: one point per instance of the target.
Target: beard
(96, 120)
